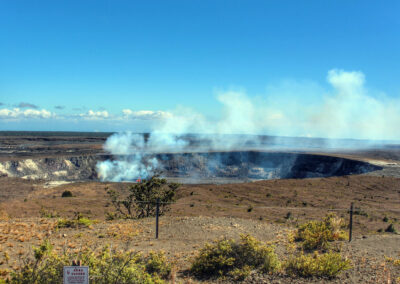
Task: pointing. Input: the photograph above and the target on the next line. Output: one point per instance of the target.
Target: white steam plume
(348, 110)
(127, 148)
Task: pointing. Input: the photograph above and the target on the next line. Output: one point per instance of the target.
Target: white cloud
(145, 114)
(95, 115)
(346, 83)
(346, 109)
(17, 113)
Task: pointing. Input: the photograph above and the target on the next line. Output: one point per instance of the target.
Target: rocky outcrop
(59, 168)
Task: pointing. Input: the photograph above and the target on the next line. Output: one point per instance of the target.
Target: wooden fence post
(351, 222)
(157, 214)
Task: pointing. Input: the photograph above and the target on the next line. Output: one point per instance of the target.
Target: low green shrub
(67, 223)
(328, 265)
(391, 229)
(78, 222)
(106, 266)
(67, 193)
(44, 249)
(240, 274)
(288, 216)
(359, 211)
(111, 216)
(318, 234)
(234, 258)
(157, 264)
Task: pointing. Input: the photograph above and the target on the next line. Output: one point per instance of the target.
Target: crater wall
(237, 165)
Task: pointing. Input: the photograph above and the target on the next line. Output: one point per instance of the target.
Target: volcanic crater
(199, 167)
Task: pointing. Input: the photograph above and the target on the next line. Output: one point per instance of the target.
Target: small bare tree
(140, 199)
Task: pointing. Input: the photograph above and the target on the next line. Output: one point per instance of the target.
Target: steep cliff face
(259, 165)
(60, 168)
(200, 166)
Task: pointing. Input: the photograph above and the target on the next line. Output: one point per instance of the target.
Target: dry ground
(203, 213)
(181, 237)
(271, 200)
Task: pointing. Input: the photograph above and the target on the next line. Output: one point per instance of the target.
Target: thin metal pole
(157, 214)
(351, 222)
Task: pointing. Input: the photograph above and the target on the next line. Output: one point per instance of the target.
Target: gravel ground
(368, 259)
(181, 237)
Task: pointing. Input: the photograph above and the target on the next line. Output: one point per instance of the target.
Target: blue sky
(76, 65)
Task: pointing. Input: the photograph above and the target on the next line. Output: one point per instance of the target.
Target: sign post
(76, 275)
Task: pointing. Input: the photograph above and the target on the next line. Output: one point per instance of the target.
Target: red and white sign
(76, 275)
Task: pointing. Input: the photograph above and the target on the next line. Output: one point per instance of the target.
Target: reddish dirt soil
(267, 210)
(203, 213)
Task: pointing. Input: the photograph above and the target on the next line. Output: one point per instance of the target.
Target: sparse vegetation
(391, 229)
(74, 223)
(106, 266)
(111, 216)
(140, 200)
(319, 234)
(229, 258)
(157, 264)
(360, 212)
(328, 265)
(214, 214)
(48, 214)
(124, 231)
(394, 261)
(78, 221)
(67, 193)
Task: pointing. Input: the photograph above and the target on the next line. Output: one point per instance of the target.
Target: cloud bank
(16, 114)
(346, 109)
(95, 115)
